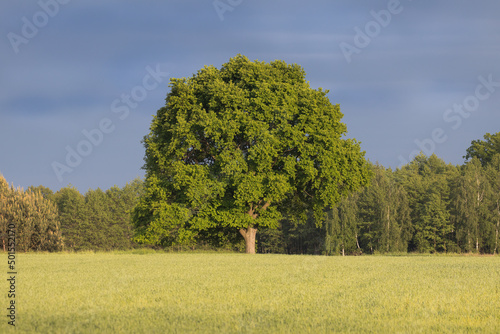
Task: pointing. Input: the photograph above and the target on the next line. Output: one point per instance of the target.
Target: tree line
(427, 206)
(68, 220)
(36, 219)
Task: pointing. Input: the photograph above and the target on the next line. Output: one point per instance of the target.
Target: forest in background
(427, 206)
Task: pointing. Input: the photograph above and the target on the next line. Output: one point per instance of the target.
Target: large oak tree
(237, 147)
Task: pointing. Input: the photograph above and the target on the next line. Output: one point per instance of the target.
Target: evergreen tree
(121, 203)
(434, 226)
(98, 222)
(302, 235)
(73, 218)
(427, 182)
(271, 240)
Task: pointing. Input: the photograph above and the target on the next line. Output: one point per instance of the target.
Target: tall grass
(237, 293)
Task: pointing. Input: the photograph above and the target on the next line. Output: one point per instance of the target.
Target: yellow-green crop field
(238, 293)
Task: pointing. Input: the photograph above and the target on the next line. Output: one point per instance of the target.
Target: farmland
(236, 293)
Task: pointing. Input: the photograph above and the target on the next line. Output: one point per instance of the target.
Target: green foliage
(472, 196)
(121, 203)
(493, 175)
(302, 236)
(384, 214)
(34, 216)
(47, 193)
(100, 220)
(72, 214)
(157, 221)
(46, 233)
(427, 181)
(434, 225)
(342, 227)
(272, 240)
(484, 150)
(233, 147)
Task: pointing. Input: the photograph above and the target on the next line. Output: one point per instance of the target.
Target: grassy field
(237, 293)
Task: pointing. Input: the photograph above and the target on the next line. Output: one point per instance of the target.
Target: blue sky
(408, 75)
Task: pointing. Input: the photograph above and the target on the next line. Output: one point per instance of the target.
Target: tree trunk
(249, 236)
(250, 232)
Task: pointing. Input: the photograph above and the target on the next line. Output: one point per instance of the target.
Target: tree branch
(265, 206)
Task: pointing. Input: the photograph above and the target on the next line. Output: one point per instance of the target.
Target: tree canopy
(236, 148)
(34, 217)
(485, 149)
(98, 220)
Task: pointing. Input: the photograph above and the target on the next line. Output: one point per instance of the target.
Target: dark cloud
(394, 92)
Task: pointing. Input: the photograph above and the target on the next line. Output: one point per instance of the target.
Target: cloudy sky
(80, 80)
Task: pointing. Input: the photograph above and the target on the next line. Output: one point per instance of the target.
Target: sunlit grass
(233, 293)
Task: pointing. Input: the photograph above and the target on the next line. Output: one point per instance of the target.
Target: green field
(238, 293)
